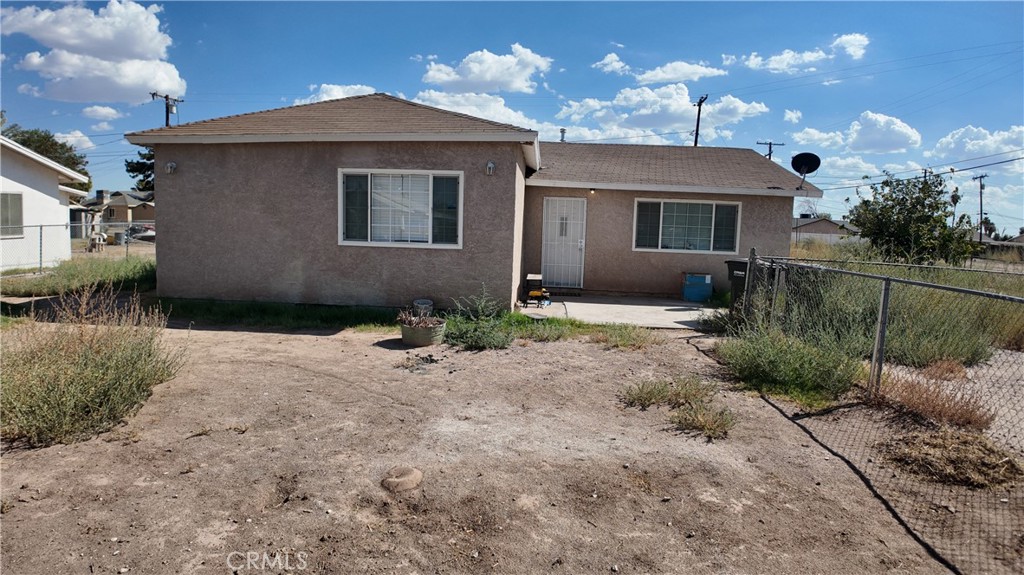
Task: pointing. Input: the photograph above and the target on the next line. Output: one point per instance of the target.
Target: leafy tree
(908, 220)
(989, 228)
(142, 170)
(45, 144)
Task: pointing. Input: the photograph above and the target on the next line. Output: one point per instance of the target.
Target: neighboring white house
(34, 208)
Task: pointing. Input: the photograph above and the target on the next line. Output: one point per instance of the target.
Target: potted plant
(420, 329)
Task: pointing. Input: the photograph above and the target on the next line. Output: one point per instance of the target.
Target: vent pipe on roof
(562, 130)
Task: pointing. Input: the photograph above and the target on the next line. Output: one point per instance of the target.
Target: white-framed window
(686, 226)
(417, 208)
(11, 215)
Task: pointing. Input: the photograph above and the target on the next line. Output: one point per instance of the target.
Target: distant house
(128, 207)
(825, 230)
(34, 208)
(375, 200)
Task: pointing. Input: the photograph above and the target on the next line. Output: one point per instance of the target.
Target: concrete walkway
(643, 311)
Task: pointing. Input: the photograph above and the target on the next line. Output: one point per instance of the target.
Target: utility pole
(170, 105)
(981, 204)
(696, 133)
(769, 143)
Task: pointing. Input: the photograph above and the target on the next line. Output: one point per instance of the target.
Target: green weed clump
(771, 362)
(132, 273)
(690, 400)
(85, 372)
(623, 336)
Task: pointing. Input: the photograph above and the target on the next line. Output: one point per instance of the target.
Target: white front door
(563, 241)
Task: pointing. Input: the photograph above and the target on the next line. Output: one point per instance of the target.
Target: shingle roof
(359, 117)
(800, 222)
(632, 166)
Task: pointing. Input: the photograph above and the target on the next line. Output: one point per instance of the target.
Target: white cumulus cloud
(75, 138)
(810, 136)
(972, 142)
(786, 62)
(577, 111)
(678, 72)
(853, 44)
(612, 65)
(793, 116)
(728, 59)
(793, 61)
(484, 71)
(30, 90)
(101, 127)
(101, 113)
(333, 92)
(114, 54)
(880, 134)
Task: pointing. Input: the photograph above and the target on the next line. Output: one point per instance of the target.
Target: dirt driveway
(266, 454)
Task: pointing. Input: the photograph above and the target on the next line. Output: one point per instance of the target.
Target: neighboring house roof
(373, 117)
(637, 167)
(1018, 240)
(64, 174)
(800, 222)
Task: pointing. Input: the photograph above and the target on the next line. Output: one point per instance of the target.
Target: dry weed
(953, 457)
(940, 402)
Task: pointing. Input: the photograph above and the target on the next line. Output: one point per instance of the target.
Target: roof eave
(634, 187)
(64, 173)
(146, 139)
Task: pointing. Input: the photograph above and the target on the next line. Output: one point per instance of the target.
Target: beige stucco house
(374, 200)
(826, 230)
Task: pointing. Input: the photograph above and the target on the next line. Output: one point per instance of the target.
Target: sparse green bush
(704, 419)
(771, 362)
(476, 335)
(645, 394)
(690, 399)
(84, 373)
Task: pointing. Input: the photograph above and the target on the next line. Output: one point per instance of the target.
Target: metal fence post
(40, 249)
(878, 355)
(748, 283)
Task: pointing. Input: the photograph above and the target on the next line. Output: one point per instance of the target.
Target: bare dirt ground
(272, 447)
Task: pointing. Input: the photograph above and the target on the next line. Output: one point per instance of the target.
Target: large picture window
(686, 226)
(401, 207)
(11, 215)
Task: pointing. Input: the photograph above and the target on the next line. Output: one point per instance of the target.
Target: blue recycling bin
(697, 287)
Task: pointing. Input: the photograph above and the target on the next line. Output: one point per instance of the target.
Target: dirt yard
(266, 454)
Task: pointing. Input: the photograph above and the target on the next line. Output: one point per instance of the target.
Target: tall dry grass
(82, 367)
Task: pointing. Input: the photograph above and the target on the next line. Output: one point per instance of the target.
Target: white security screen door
(564, 236)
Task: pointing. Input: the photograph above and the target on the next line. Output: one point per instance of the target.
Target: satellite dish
(805, 163)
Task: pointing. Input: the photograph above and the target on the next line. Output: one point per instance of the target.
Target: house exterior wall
(44, 215)
(612, 265)
(821, 227)
(260, 222)
(141, 213)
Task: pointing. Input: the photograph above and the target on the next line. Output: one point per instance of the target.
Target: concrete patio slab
(662, 313)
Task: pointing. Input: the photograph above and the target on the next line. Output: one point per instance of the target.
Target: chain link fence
(36, 248)
(935, 426)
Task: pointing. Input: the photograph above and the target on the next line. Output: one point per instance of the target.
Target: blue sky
(867, 86)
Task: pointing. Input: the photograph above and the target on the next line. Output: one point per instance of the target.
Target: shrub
(84, 374)
(704, 419)
(771, 362)
(476, 335)
(645, 394)
(690, 398)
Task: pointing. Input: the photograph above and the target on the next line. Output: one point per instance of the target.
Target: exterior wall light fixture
(490, 168)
